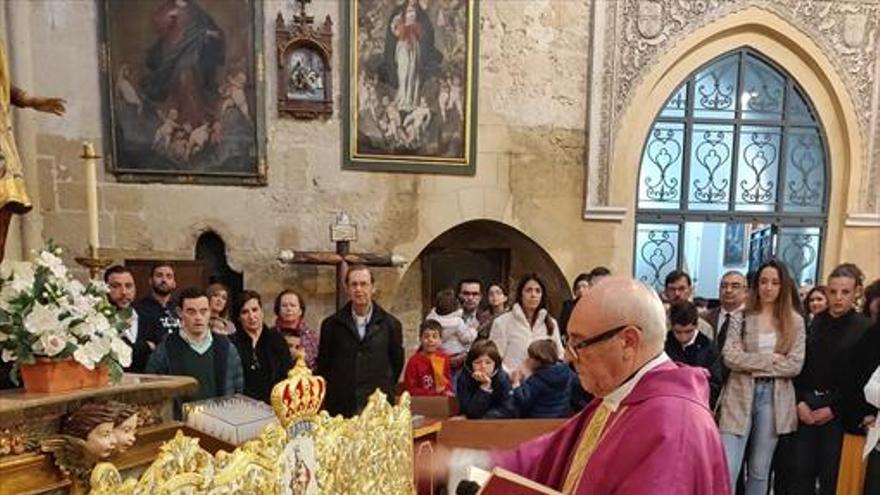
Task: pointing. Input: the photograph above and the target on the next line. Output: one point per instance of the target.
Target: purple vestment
(662, 440)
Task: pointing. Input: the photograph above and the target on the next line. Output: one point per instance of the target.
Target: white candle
(91, 196)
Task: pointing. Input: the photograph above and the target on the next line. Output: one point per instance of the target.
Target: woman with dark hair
(527, 321)
(483, 388)
(265, 358)
(496, 295)
(290, 321)
(815, 302)
(764, 351)
(218, 301)
(871, 303)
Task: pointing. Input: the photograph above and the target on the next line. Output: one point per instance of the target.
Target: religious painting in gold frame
(412, 77)
(184, 90)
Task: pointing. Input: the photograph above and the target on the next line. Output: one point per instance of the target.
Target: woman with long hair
(218, 301)
(764, 351)
(527, 321)
(815, 302)
(497, 304)
(871, 303)
(265, 359)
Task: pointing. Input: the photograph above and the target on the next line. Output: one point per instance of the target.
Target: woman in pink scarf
(290, 311)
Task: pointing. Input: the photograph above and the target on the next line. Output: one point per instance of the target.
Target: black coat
(861, 363)
(702, 353)
(140, 348)
(160, 320)
(264, 366)
(546, 393)
(476, 403)
(355, 368)
(565, 315)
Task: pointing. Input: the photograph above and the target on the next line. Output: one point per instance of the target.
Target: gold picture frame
(411, 72)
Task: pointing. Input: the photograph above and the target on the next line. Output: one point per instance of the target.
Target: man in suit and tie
(732, 292)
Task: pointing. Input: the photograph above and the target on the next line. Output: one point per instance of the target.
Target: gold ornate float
(307, 453)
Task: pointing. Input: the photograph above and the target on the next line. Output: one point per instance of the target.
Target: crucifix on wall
(343, 233)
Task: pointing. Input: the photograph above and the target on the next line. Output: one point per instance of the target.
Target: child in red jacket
(427, 371)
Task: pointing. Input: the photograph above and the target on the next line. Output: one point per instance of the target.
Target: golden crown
(299, 396)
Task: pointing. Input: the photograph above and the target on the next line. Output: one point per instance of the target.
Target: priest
(649, 429)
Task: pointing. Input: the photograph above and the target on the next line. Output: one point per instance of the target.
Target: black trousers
(784, 466)
(872, 475)
(817, 456)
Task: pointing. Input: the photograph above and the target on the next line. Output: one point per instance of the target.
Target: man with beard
(158, 310)
(137, 334)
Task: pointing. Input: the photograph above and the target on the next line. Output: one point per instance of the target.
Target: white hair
(633, 302)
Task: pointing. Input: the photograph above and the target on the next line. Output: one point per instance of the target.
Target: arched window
(732, 173)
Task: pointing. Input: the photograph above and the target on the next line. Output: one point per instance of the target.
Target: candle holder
(94, 262)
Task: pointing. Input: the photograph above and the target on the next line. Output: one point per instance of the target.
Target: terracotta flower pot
(47, 376)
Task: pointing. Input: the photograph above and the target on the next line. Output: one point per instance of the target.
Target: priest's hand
(868, 421)
(805, 414)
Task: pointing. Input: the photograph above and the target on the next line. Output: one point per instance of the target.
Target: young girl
(546, 393)
(483, 387)
(427, 371)
(764, 351)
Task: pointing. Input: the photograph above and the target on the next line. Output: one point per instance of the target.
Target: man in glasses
(649, 430)
(732, 293)
(679, 288)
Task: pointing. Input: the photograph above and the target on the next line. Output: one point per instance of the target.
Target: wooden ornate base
(37, 473)
(27, 419)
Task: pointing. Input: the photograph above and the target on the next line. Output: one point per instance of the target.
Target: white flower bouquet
(45, 313)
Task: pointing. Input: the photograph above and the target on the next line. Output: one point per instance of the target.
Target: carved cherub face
(124, 433)
(101, 441)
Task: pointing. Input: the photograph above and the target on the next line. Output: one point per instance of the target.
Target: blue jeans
(760, 437)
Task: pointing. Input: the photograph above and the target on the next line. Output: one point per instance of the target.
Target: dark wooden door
(443, 268)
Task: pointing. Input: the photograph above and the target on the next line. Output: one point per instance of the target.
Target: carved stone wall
(629, 36)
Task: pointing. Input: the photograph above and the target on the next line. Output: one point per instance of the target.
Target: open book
(503, 482)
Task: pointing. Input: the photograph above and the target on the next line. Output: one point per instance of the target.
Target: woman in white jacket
(527, 321)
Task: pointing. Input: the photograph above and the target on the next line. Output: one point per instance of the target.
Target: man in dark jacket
(157, 309)
(686, 345)
(361, 348)
(138, 335)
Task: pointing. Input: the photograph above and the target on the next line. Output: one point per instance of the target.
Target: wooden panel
(493, 433)
(434, 407)
(188, 273)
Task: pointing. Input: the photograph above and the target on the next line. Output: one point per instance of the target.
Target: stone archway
(484, 249)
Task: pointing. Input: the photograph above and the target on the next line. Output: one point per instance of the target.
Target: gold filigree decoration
(367, 454)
